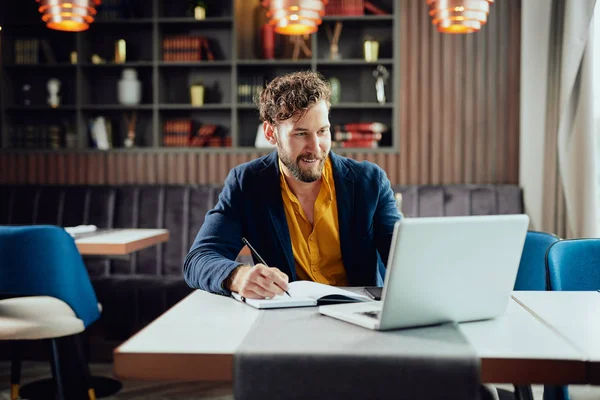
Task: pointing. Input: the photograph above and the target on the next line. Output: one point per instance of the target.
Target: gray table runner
(300, 354)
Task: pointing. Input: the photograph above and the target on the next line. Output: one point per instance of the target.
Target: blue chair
(382, 268)
(532, 268)
(532, 276)
(574, 265)
(50, 296)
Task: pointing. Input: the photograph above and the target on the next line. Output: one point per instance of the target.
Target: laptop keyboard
(372, 314)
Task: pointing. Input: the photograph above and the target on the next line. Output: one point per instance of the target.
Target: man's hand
(257, 282)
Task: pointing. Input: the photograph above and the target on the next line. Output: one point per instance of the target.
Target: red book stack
(186, 48)
(345, 7)
(177, 132)
(203, 135)
(358, 134)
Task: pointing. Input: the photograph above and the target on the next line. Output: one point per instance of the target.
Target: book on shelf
(365, 127)
(177, 133)
(27, 51)
(345, 7)
(37, 137)
(358, 134)
(187, 48)
(249, 87)
(186, 133)
(347, 136)
(48, 53)
(369, 6)
(353, 7)
(101, 133)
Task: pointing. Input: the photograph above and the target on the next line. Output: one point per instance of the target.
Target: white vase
(130, 88)
(53, 89)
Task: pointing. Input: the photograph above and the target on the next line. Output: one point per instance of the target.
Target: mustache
(320, 156)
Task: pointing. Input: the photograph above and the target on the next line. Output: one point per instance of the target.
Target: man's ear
(270, 133)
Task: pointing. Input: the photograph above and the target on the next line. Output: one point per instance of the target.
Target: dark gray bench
(136, 290)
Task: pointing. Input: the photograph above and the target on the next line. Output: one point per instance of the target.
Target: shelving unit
(89, 90)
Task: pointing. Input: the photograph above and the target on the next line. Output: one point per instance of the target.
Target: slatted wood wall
(459, 118)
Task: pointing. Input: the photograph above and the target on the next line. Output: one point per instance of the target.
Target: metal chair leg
(15, 370)
(523, 392)
(56, 372)
(85, 369)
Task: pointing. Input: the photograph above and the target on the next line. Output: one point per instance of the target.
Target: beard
(311, 172)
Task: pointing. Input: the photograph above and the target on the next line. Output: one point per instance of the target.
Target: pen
(247, 243)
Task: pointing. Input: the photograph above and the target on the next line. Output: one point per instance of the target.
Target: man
(309, 213)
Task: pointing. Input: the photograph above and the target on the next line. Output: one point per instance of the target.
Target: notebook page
(277, 302)
(316, 290)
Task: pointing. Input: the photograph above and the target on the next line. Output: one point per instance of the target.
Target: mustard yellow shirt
(316, 247)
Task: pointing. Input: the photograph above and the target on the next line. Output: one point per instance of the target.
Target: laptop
(444, 269)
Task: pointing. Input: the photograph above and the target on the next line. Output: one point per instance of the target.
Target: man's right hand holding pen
(257, 282)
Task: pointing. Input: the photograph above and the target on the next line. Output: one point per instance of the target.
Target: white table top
(196, 340)
(517, 335)
(120, 241)
(574, 315)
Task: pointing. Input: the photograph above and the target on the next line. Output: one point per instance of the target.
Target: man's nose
(313, 142)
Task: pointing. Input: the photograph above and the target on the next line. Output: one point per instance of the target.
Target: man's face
(304, 145)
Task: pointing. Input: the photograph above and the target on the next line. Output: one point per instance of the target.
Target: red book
(374, 9)
(366, 127)
(348, 136)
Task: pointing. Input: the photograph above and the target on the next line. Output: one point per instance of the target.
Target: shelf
(41, 108)
(268, 63)
(362, 105)
(210, 21)
(42, 66)
(110, 107)
(196, 64)
(92, 89)
(122, 21)
(25, 24)
(96, 22)
(162, 150)
(359, 62)
(338, 150)
(248, 106)
(359, 18)
(189, 107)
(130, 64)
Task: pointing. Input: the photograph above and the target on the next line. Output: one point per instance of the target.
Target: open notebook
(306, 294)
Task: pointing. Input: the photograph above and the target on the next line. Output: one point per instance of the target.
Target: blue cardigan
(250, 205)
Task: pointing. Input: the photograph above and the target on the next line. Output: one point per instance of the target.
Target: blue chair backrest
(574, 265)
(532, 269)
(43, 260)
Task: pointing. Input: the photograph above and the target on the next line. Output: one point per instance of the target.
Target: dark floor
(34, 370)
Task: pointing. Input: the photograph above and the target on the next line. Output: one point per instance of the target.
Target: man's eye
(300, 134)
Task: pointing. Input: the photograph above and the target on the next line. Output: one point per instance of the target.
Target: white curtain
(596, 93)
(557, 147)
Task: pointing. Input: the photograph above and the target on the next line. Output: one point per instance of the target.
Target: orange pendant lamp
(459, 16)
(295, 17)
(68, 15)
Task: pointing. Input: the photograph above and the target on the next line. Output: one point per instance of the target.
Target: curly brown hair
(291, 95)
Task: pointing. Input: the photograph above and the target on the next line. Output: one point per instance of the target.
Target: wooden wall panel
(458, 118)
